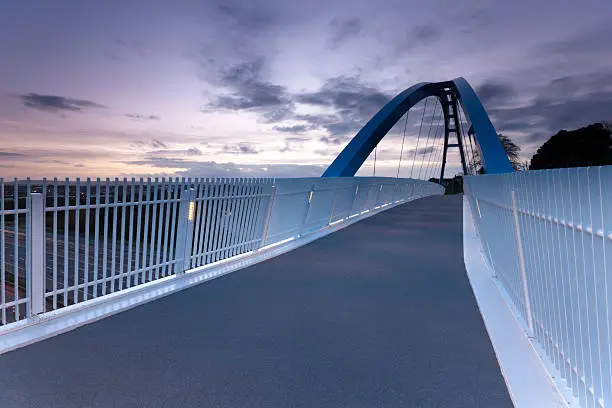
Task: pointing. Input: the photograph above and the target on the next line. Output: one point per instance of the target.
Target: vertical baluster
(203, 221)
(26, 261)
(247, 204)
(255, 192)
(173, 224)
(138, 231)
(105, 245)
(66, 239)
(213, 221)
(230, 218)
(167, 199)
(131, 268)
(239, 216)
(16, 249)
(209, 219)
(55, 210)
(220, 219)
(153, 228)
(146, 233)
(122, 270)
(96, 241)
(160, 213)
(75, 293)
(86, 261)
(114, 235)
(247, 207)
(199, 206)
(263, 205)
(243, 236)
(259, 212)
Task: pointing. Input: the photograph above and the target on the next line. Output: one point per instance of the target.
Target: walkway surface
(379, 314)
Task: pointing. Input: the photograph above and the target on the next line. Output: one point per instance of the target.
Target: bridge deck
(380, 314)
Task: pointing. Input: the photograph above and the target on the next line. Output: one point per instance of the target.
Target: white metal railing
(547, 235)
(65, 242)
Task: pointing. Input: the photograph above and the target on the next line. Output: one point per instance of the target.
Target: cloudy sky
(277, 88)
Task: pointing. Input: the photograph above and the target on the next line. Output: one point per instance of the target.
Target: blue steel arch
(493, 156)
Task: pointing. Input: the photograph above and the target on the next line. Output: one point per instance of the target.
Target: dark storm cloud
(250, 91)
(334, 141)
(292, 129)
(596, 40)
(565, 103)
(8, 155)
(422, 151)
(156, 143)
(292, 142)
(56, 103)
(408, 39)
(342, 30)
(248, 16)
(426, 33)
(351, 101)
(194, 151)
(494, 91)
(142, 117)
(347, 93)
(240, 148)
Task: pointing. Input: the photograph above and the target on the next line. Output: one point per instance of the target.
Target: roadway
(379, 314)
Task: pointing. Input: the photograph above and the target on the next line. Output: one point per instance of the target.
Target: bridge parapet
(547, 237)
(71, 243)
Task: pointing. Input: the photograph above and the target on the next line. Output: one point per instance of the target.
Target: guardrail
(65, 242)
(547, 235)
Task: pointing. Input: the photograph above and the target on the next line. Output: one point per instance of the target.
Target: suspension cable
(428, 136)
(418, 137)
(440, 154)
(402, 149)
(433, 143)
(469, 138)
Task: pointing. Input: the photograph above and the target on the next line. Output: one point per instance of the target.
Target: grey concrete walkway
(379, 314)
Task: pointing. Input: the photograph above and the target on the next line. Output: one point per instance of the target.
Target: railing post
(356, 188)
(264, 234)
(301, 231)
(519, 242)
(331, 214)
(376, 204)
(185, 225)
(37, 253)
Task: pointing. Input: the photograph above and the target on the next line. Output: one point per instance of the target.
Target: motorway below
(379, 314)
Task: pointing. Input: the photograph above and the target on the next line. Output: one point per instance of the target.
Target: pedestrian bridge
(333, 291)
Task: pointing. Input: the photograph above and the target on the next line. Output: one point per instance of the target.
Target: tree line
(588, 146)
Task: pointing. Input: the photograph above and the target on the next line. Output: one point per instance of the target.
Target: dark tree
(587, 146)
(512, 150)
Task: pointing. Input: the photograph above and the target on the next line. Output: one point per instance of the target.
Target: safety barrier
(547, 235)
(65, 242)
